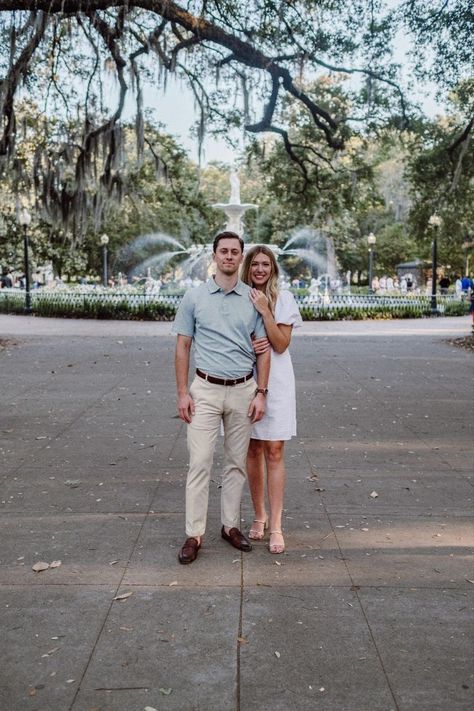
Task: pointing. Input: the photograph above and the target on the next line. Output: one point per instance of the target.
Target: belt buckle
(235, 381)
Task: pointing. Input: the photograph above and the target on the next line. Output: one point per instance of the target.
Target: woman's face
(260, 269)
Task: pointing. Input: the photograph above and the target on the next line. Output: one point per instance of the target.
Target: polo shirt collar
(213, 287)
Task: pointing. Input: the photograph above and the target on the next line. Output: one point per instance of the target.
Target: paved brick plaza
(369, 609)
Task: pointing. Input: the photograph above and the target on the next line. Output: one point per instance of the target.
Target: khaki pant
(214, 403)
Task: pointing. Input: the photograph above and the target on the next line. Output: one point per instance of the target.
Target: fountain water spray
(307, 244)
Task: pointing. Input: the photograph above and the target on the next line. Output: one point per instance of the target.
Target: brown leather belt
(223, 381)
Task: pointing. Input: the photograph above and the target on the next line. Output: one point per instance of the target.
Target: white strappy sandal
(276, 547)
(256, 534)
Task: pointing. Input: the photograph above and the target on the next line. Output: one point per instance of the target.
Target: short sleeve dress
(279, 421)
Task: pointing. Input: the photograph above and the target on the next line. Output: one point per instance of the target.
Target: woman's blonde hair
(271, 287)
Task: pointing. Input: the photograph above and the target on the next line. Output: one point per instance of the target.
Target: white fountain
(234, 209)
(195, 260)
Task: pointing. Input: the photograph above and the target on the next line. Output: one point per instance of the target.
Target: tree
(441, 174)
(393, 247)
(443, 31)
(156, 209)
(158, 195)
(336, 201)
(261, 51)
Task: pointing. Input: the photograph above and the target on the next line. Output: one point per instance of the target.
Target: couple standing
(234, 325)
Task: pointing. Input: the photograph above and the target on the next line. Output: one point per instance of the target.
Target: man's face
(228, 256)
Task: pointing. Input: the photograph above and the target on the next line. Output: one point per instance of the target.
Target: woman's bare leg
(275, 461)
(256, 477)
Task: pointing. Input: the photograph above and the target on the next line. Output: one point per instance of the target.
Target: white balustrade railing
(43, 298)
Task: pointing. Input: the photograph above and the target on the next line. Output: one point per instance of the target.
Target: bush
(354, 313)
(12, 302)
(456, 308)
(88, 305)
(140, 307)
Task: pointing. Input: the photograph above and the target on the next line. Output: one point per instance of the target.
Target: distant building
(418, 269)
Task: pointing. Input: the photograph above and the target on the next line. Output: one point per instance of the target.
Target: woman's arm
(278, 334)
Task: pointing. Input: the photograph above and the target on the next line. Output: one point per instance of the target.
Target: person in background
(458, 286)
(471, 309)
(444, 284)
(6, 281)
(466, 284)
(280, 315)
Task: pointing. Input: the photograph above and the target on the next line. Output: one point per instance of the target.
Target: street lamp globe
(435, 220)
(24, 217)
(371, 239)
(104, 240)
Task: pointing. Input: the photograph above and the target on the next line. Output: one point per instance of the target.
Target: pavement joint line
(176, 440)
(417, 617)
(125, 570)
(355, 510)
(120, 688)
(379, 655)
(238, 680)
(151, 510)
(108, 611)
(353, 588)
(250, 586)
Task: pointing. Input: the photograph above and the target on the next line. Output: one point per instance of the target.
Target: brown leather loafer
(237, 539)
(189, 551)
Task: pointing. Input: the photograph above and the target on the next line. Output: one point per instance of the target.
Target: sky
(176, 109)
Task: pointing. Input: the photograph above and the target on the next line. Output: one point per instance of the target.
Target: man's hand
(185, 407)
(260, 345)
(257, 408)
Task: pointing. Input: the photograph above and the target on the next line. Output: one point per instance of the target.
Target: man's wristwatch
(263, 391)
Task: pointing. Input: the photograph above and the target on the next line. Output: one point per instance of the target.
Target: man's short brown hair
(227, 234)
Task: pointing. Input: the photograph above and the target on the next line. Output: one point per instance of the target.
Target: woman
(280, 315)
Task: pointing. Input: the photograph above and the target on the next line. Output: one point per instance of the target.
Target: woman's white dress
(279, 421)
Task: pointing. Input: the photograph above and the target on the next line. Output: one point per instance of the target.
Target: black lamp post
(24, 218)
(371, 240)
(467, 245)
(104, 240)
(434, 222)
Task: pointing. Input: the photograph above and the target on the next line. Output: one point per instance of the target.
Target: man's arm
(182, 357)
(257, 406)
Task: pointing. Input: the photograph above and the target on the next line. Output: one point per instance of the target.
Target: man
(466, 284)
(444, 284)
(6, 282)
(221, 320)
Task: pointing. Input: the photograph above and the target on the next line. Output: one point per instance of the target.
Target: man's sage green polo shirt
(221, 325)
